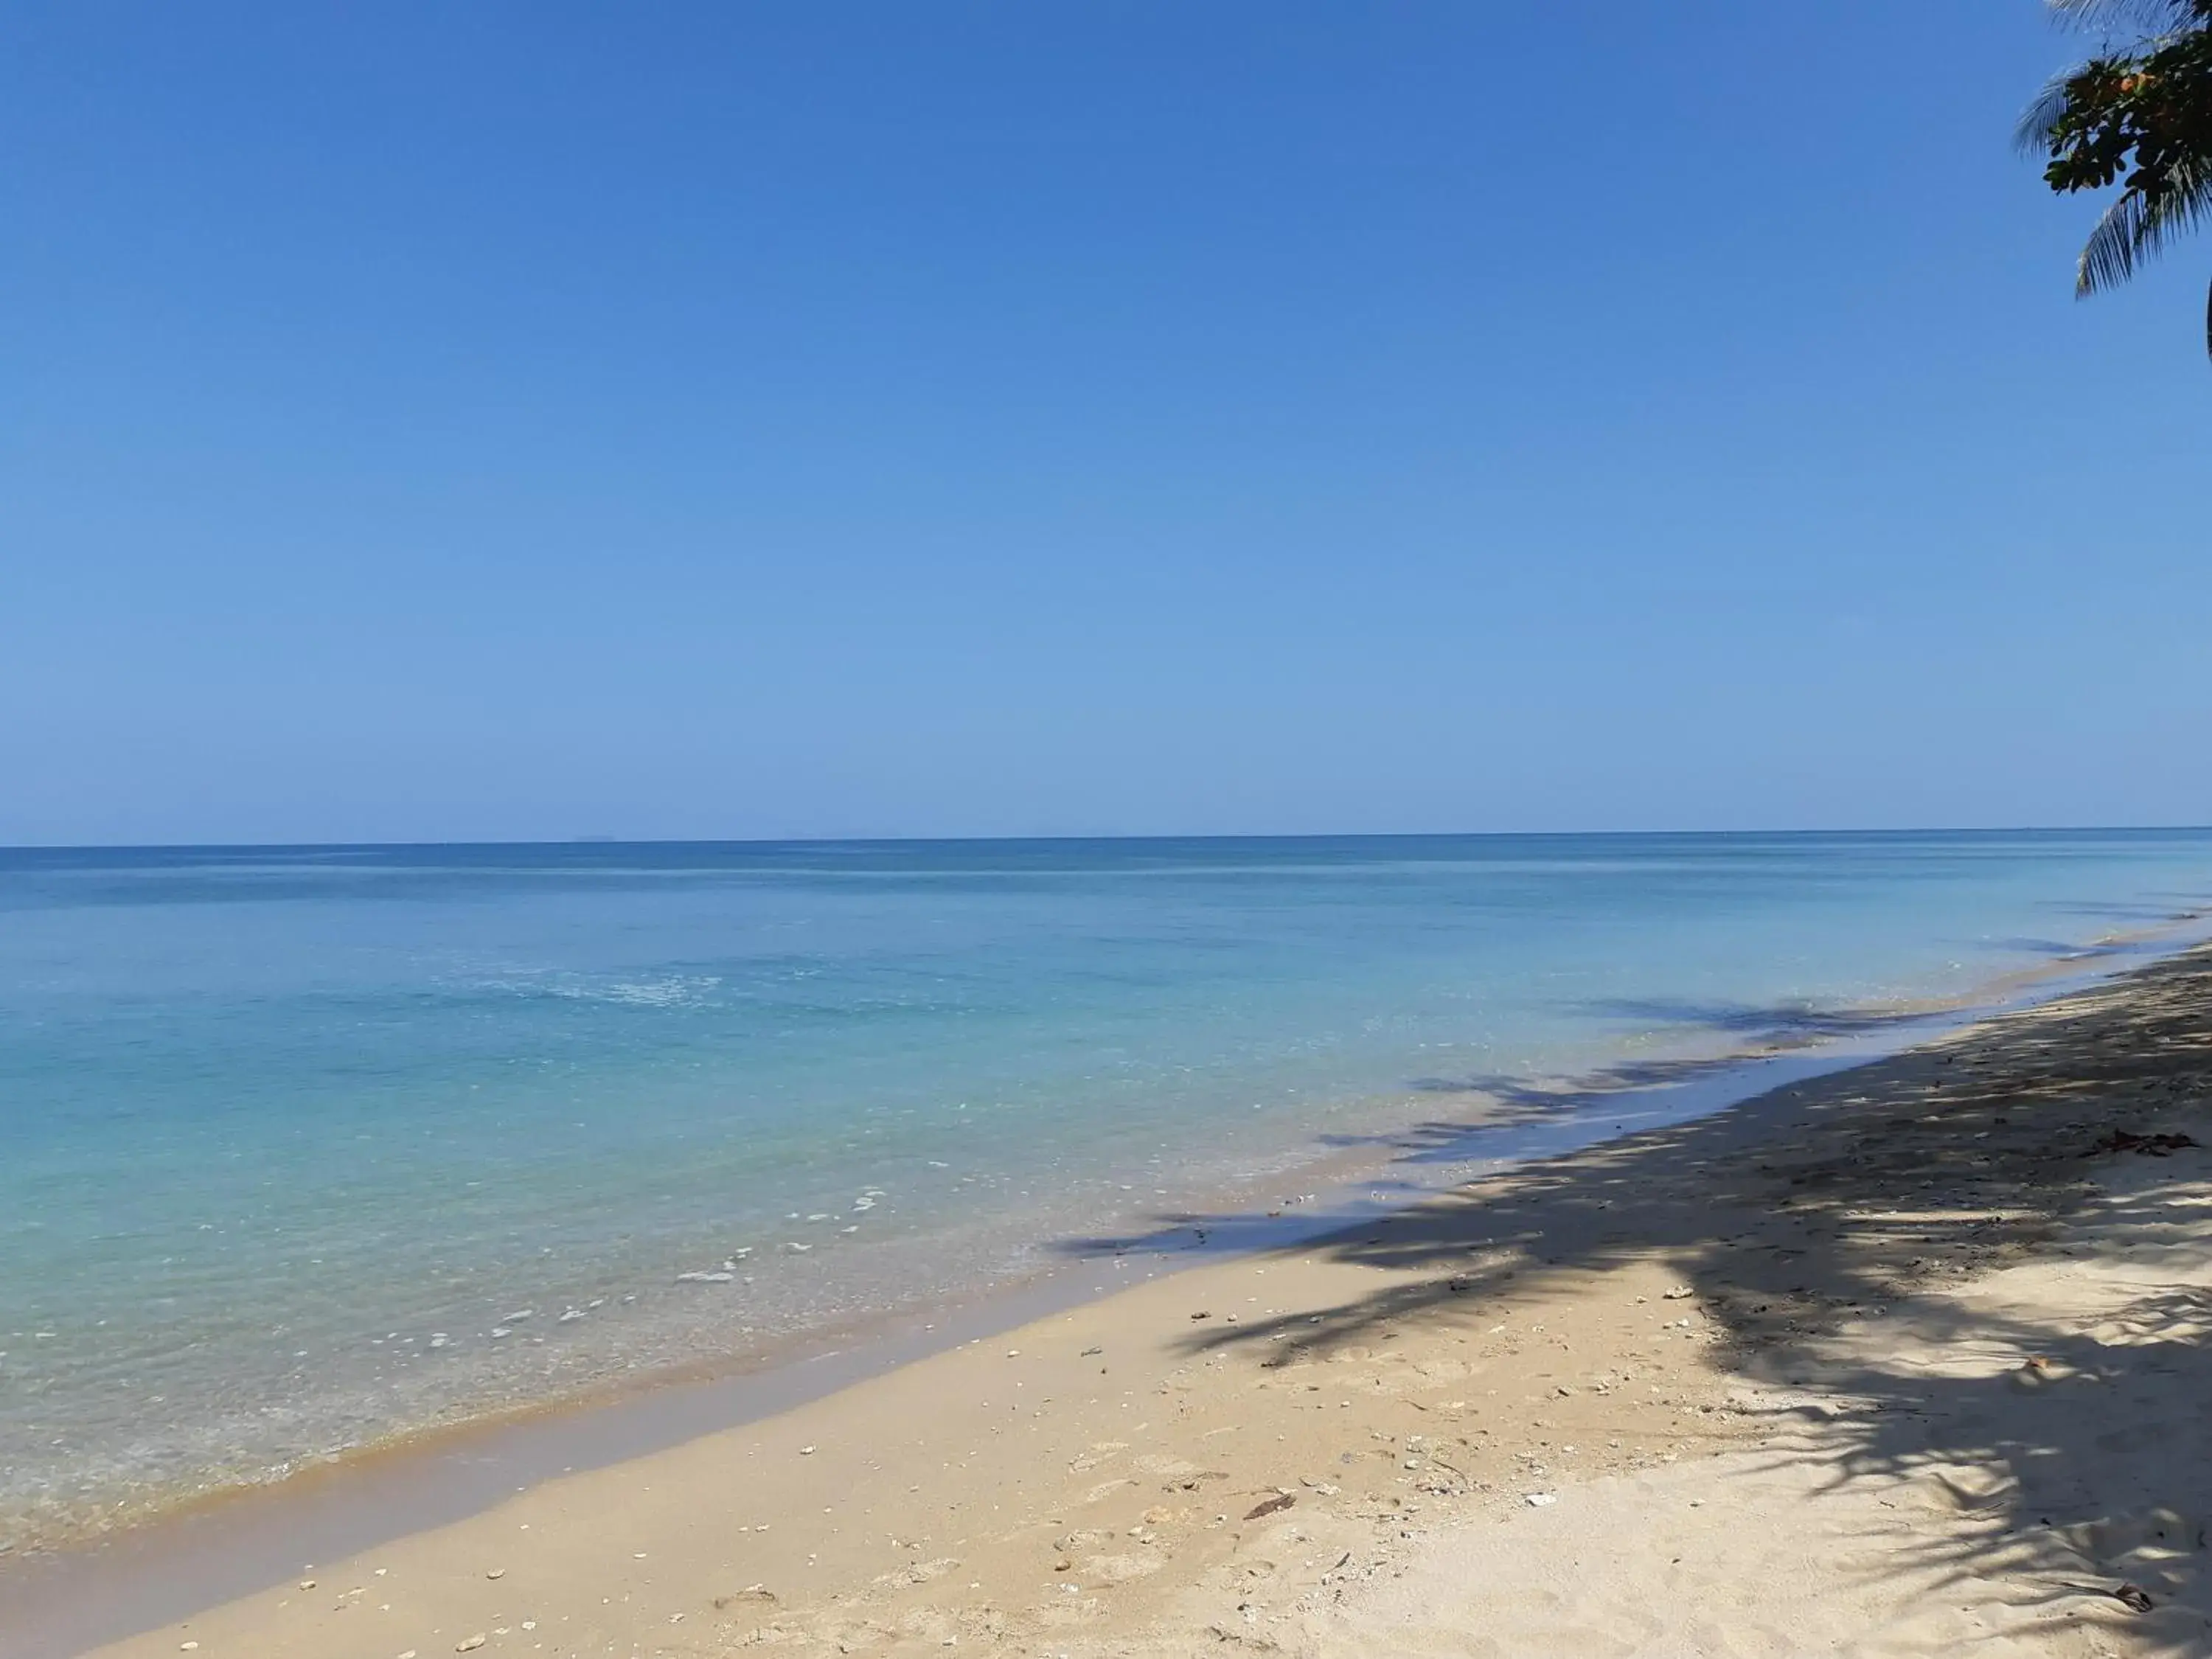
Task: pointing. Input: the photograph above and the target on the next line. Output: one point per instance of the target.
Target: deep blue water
(302, 1146)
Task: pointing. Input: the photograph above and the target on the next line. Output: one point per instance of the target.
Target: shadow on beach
(1828, 1233)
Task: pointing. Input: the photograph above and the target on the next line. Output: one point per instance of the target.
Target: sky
(704, 420)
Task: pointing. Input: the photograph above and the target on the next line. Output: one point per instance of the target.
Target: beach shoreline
(165, 1578)
(677, 1114)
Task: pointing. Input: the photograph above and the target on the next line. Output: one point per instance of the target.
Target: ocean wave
(652, 991)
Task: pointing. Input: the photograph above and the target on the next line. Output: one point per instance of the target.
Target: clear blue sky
(721, 419)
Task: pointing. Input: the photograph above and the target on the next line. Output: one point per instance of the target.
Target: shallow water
(301, 1147)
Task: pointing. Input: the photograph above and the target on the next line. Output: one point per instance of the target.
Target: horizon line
(1073, 837)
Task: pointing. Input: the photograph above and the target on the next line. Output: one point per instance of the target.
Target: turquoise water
(299, 1148)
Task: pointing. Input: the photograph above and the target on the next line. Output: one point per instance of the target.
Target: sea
(306, 1150)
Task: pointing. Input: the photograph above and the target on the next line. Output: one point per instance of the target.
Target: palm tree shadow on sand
(1873, 1195)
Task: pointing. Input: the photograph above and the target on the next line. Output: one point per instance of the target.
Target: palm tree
(2139, 114)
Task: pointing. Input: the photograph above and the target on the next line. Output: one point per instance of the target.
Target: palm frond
(2031, 137)
(2108, 258)
(2140, 225)
(2151, 17)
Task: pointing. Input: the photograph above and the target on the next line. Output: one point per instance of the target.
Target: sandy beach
(1886, 1362)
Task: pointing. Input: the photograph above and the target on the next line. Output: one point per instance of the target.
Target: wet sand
(1883, 1361)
